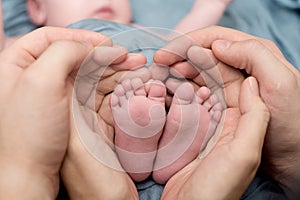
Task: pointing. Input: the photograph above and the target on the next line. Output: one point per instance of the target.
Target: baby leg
(191, 121)
(139, 115)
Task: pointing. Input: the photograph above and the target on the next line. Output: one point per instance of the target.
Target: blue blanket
(277, 20)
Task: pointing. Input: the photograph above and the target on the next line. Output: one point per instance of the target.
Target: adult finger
(219, 77)
(99, 60)
(117, 58)
(132, 62)
(254, 120)
(174, 52)
(93, 69)
(43, 37)
(98, 73)
(58, 61)
(258, 61)
(32, 45)
(170, 54)
(204, 38)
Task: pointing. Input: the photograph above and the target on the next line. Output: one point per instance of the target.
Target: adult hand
(34, 104)
(226, 171)
(278, 83)
(239, 146)
(91, 169)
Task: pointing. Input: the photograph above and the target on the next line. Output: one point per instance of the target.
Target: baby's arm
(203, 13)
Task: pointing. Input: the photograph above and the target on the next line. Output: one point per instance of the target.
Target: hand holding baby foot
(226, 83)
(91, 165)
(34, 125)
(227, 170)
(279, 86)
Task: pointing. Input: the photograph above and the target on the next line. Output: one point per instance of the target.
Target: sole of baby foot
(139, 115)
(191, 122)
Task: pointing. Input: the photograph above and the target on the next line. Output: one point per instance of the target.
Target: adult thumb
(255, 58)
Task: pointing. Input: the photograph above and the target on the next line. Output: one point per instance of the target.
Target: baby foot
(139, 115)
(191, 121)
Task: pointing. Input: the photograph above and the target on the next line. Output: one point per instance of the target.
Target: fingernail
(222, 45)
(253, 85)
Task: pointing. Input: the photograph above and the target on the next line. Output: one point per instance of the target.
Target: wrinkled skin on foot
(141, 135)
(139, 115)
(191, 122)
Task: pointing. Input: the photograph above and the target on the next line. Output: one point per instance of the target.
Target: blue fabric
(16, 20)
(149, 190)
(160, 13)
(277, 20)
(135, 40)
(293, 4)
(262, 188)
